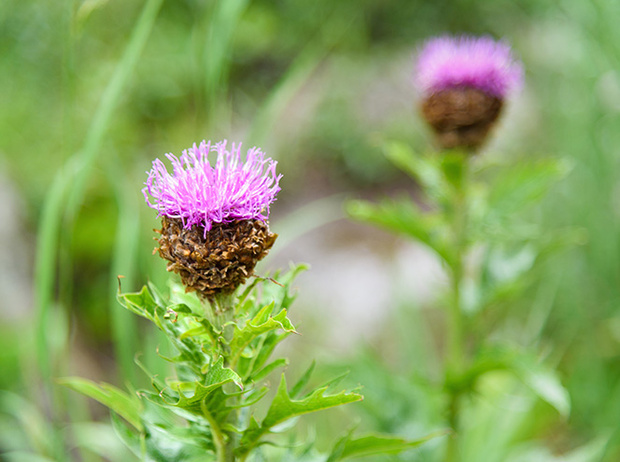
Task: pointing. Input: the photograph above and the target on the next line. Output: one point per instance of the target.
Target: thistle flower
(463, 82)
(214, 227)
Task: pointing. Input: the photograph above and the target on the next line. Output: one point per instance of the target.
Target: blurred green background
(91, 92)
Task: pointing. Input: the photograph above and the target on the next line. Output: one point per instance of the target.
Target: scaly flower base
(216, 262)
(461, 117)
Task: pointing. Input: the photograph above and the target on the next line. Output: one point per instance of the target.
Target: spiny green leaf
(403, 217)
(134, 441)
(335, 381)
(125, 405)
(261, 324)
(241, 305)
(141, 303)
(268, 343)
(165, 443)
(265, 371)
(189, 299)
(421, 168)
(252, 398)
(546, 384)
(219, 375)
(524, 184)
(156, 294)
(205, 330)
(540, 379)
(375, 444)
(215, 378)
(303, 381)
(169, 320)
(281, 292)
(284, 408)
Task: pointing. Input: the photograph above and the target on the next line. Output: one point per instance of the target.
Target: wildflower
(463, 82)
(214, 227)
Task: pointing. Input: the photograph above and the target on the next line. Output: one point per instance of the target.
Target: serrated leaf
(156, 294)
(280, 292)
(252, 398)
(134, 441)
(219, 375)
(334, 382)
(204, 328)
(546, 384)
(542, 380)
(216, 377)
(421, 168)
(260, 324)
(303, 381)
(141, 303)
(171, 443)
(268, 369)
(125, 405)
(376, 444)
(168, 319)
(284, 408)
(524, 184)
(403, 217)
(178, 295)
(268, 343)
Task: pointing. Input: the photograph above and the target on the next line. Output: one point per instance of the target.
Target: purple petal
(466, 61)
(201, 194)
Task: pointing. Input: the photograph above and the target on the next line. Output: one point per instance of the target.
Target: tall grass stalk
(216, 54)
(123, 265)
(65, 197)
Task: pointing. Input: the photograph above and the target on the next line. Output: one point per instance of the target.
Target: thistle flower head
(199, 193)
(213, 216)
(463, 82)
(474, 62)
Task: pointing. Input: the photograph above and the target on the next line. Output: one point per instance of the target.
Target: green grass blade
(68, 188)
(124, 323)
(110, 100)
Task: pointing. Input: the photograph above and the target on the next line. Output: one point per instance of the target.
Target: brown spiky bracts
(461, 117)
(463, 82)
(216, 262)
(214, 217)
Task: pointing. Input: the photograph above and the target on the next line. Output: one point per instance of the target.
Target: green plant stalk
(124, 325)
(220, 311)
(456, 356)
(219, 440)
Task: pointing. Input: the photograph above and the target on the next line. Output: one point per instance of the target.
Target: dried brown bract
(461, 117)
(219, 262)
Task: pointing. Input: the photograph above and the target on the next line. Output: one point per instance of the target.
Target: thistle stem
(456, 355)
(219, 440)
(221, 312)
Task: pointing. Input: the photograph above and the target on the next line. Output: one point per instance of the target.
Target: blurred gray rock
(16, 255)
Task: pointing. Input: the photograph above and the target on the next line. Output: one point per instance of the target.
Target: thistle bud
(214, 218)
(463, 83)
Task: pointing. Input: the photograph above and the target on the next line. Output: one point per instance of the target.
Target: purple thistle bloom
(201, 194)
(466, 61)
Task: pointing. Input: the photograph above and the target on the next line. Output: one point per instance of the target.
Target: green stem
(456, 355)
(218, 436)
(454, 368)
(220, 313)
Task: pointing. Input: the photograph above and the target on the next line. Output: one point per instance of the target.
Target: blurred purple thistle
(466, 61)
(201, 194)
